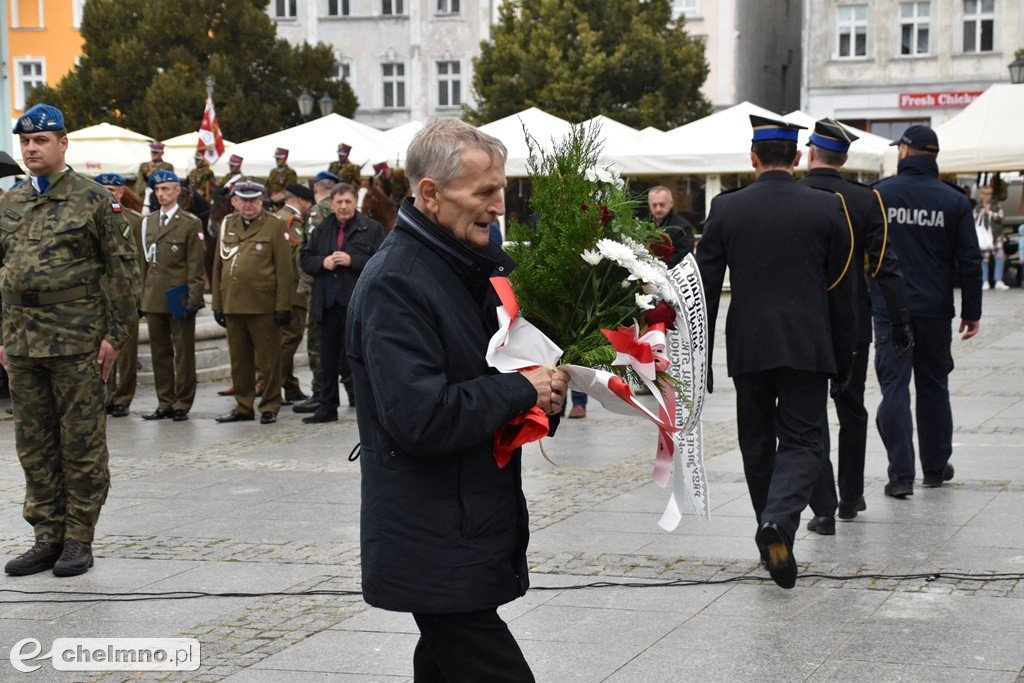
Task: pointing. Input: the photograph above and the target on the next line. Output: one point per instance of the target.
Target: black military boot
(76, 559)
(39, 558)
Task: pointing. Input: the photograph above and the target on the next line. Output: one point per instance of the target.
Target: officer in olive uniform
(297, 201)
(873, 253)
(69, 286)
(323, 183)
(281, 176)
(126, 367)
(234, 169)
(172, 244)
(201, 178)
(252, 299)
(148, 168)
(345, 170)
(790, 327)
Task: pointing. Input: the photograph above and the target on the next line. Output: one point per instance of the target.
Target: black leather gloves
(902, 338)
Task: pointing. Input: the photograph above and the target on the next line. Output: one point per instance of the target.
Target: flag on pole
(211, 142)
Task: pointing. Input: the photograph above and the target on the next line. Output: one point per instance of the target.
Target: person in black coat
(827, 153)
(444, 525)
(678, 229)
(334, 254)
(790, 326)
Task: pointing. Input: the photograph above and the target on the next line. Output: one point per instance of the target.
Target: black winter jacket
(443, 529)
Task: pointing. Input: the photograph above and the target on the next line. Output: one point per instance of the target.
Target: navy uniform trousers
(780, 414)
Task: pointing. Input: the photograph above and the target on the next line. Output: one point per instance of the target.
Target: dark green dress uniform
(173, 250)
(252, 278)
(280, 177)
(126, 367)
(291, 334)
(57, 247)
(202, 180)
(146, 169)
(347, 172)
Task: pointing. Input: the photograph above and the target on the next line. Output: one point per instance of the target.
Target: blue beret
(325, 175)
(39, 118)
(772, 129)
(109, 179)
(163, 176)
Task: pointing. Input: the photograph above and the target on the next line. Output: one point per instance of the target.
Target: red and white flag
(211, 142)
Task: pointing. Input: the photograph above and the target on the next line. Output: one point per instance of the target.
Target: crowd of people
(818, 268)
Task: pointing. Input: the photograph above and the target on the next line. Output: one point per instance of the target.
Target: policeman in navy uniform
(790, 327)
(931, 225)
(827, 153)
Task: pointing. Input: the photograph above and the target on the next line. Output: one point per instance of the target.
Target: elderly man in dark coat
(444, 527)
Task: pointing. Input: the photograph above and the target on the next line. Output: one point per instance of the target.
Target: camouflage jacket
(348, 173)
(74, 235)
(146, 169)
(202, 181)
(280, 177)
(295, 230)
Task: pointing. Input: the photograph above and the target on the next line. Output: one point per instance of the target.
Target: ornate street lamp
(1017, 70)
(326, 104)
(305, 101)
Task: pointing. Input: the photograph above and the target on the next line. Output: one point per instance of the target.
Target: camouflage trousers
(60, 431)
(291, 337)
(313, 352)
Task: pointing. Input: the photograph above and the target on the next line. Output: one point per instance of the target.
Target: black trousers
(779, 418)
(853, 435)
(331, 329)
(467, 647)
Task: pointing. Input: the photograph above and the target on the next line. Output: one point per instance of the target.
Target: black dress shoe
(235, 416)
(118, 411)
(935, 480)
(38, 558)
(158, 414)
(310, 405)
(899, 489)
(76, 559)
(850, 510)
(321, 416)
(230, 391)
(268, 418)
(296, 397)
(824, 525)
(180, 415)
(781, 563)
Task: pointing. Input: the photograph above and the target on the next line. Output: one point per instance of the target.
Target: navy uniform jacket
(932, 227)
(873, 254)
(785, 245)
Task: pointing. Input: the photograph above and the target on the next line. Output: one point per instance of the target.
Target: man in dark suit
(790, 323)
(827, 153)
(334, 254)
(678, 229)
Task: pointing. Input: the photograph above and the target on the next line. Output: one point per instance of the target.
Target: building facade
(43, 43)
(883, 65)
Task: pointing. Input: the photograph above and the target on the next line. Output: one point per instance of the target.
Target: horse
(377, 205)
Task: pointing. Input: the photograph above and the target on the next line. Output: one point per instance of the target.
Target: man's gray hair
(660, 188)
(436, 151)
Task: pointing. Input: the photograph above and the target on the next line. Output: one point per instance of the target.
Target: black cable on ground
(87, 596)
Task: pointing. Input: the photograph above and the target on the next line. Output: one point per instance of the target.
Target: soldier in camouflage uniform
(148, 168)
(61, 236)
(399, 187)
(298, 199)
(281, 176)
(124, 378)
(322, 186)
(346, 171)
(201, 178)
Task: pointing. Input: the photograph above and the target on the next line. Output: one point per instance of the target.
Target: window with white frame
(447, 6)
(979, 25)
(337, 8)
(29, 74)
(449, 84)
(852, 27)
(915, 27)
(394, 84)
(392, 7)
(285, 9)
(345, 70)
(76, 13)
(687, 8)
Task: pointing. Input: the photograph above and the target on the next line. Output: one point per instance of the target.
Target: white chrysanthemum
(626, 284)
(616, 251)
(639, 251)
(646, 272)
(644, 302)
(591, 257)
(650, 289)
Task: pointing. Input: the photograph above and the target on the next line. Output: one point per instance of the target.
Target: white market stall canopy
(401, 136)
(865, 155)
(545, 128)
(103, 148)
(312, 146)
(988, 135)
(181, 150)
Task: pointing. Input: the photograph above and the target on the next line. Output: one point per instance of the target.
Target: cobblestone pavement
(925, 589)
